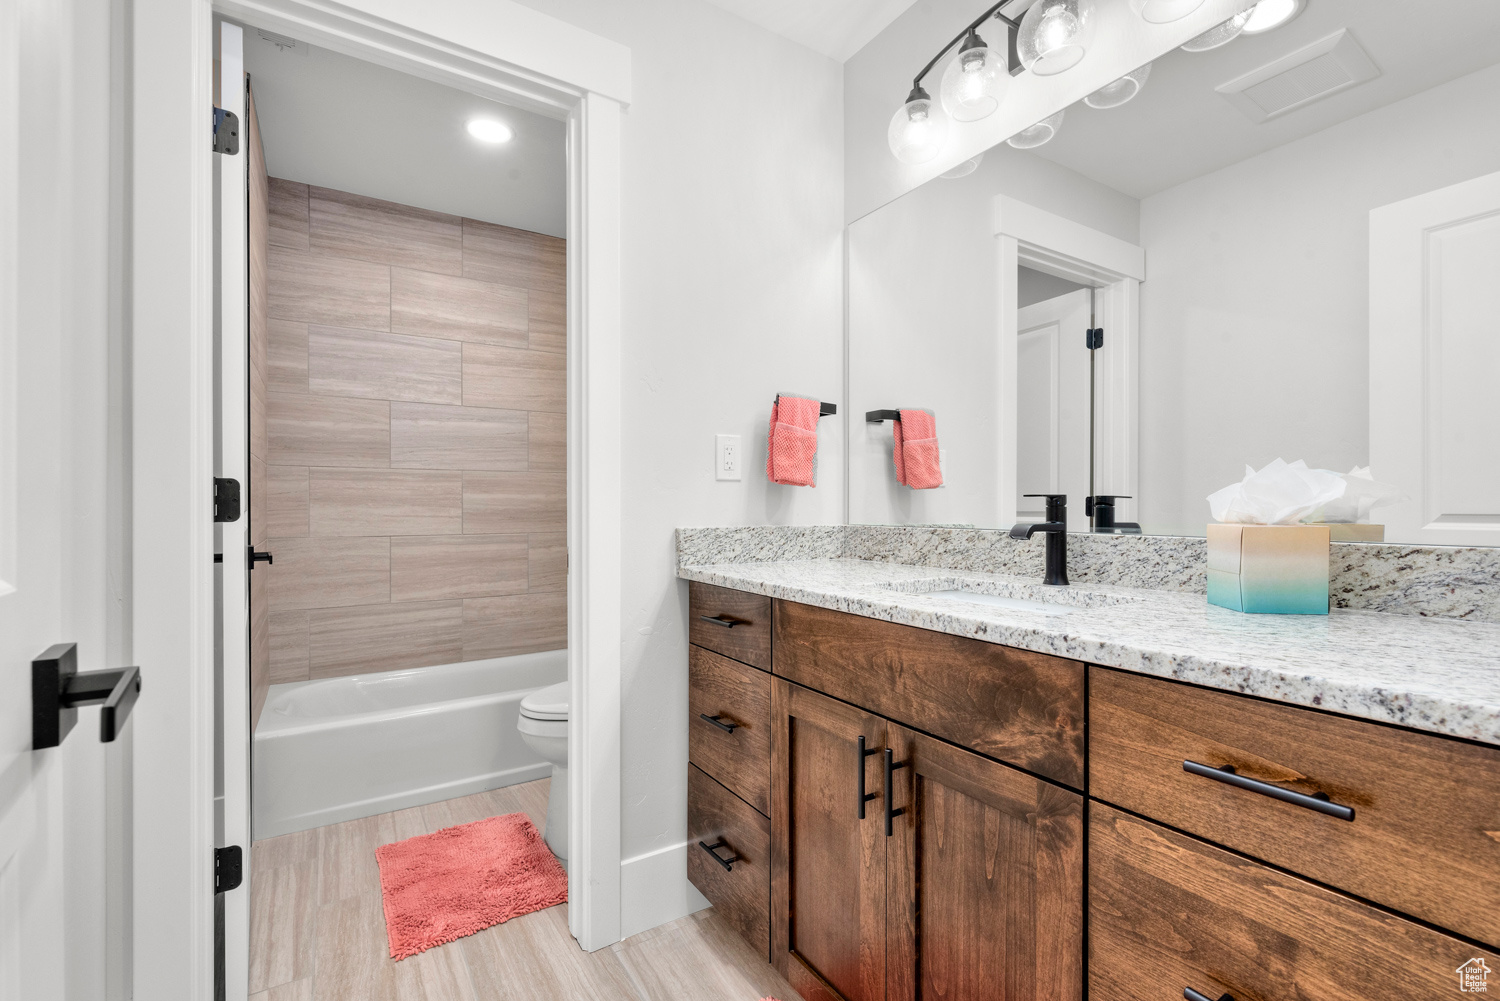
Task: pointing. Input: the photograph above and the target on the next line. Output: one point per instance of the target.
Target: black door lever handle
(58, 688)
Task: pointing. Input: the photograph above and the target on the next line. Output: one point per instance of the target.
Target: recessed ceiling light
(487, 130)
(1270, 14)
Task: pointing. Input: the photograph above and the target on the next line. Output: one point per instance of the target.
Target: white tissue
(1362, 494)
(1280, 494)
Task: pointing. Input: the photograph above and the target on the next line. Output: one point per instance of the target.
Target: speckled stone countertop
(1434, 674)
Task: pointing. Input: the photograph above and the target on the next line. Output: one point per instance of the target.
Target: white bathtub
(340, 748)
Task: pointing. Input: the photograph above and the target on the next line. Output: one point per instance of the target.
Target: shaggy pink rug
(442, 886)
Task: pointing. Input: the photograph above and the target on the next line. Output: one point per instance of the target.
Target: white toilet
(544, 727)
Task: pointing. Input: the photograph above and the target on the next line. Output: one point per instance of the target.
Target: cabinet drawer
(1426, 809)
(740, 696)
(1015, 706)
(741, 892)
(1169, 912)
(734, 623)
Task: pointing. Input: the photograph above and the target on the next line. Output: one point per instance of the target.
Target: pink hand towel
(916, 451)
(792, 448)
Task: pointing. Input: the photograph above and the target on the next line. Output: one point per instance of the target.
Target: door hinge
(229, 868)
(1094, 338)
(226, 499)
(226, 132)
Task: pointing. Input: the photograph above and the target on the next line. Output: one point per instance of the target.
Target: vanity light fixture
(1112, 95)
(1220, 34)
(488, 130)
(1270, 14)
(974, 81)
(917, 129)
(1164, 11)
(1055, 35)
(1039, 134)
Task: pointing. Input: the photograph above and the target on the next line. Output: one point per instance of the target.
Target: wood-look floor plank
(288, 214)
(547, 554)
(702, 957)
(286, 356)
(288, 645)
(382, 366)
(533, 958)
(286, 849)
(547, 321)
(368, 502)
(514, 378)
(281, 929)
(286, 501)
(428, 436)
(426, 568)
(503, 503)
(325, 573)
(547, 441)
(517, 623)
(335, 291)
(514, 257)
(368, 229)
(301, 990)
(461, 308)
(389, 637)
(307, 430)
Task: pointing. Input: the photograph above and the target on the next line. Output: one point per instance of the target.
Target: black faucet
(1101, 508)
(1056, 527)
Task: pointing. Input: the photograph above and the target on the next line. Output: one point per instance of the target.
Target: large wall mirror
(1291, 242)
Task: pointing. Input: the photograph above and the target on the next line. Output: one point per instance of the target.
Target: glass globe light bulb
(964, 169)
(1164, 11)
(1112, 95)
(1055, 35)
(974, 81)
(917, 129)
(1038, 134)
(1220, 34)
(1270, 14)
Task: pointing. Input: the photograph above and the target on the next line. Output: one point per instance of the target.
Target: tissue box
(1269, 568)
(1346, 532)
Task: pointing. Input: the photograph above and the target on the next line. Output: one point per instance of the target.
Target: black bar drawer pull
(890, 769)
(1188, 994)
(727, 621)
(864, 797)
(727, 863)
(1227, 775)
(717, 719)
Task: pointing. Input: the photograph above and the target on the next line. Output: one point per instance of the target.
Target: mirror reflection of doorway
(1052, 376)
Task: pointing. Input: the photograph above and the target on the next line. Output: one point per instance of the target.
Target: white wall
(1254, 313)
(733, 292)
(923, 327)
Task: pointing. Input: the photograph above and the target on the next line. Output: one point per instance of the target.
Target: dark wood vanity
(894, 813)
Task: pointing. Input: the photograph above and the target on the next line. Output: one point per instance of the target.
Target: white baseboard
(654, 889)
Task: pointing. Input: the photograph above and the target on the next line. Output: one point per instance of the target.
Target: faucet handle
(1057, 506)
(1101, 500)
(1048, 496)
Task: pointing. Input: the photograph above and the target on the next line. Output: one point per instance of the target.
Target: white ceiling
(339, 122)
(1179, 128)
(836, 28)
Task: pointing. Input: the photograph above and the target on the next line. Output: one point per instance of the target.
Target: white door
(1435, 363)
(64, 810)
(1052, 403)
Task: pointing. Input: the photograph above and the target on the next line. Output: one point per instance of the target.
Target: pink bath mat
(442, 886)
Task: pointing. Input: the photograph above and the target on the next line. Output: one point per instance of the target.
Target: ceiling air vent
(282, 42)
(1299, 78)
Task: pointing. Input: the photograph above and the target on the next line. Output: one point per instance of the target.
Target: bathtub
(341, 748)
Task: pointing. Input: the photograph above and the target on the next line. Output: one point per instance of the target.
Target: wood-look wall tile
(286, 356)
(547, 554)
(516, 623)
(428, 568)
(286, 501)
(366, 502)
(383, 366)
(368, 229)
(547, 321)
(288, 645)
(427, 436)
(260, 646)
(288, 203)
(514, 257)
(258, 406)
(508, 503)
(547, 441)
(515, 379)
(305, 430)
(327, 573)
(336, 291)
(461, 308)
(259, 501)
(390, 637)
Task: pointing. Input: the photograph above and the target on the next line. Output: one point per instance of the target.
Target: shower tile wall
(417, 440)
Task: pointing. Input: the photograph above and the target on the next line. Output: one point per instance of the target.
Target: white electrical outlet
(726, 456)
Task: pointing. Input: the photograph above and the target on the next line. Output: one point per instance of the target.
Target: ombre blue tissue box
(1280, 569)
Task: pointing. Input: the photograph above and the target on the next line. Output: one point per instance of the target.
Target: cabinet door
(984, 870)
(827, 864)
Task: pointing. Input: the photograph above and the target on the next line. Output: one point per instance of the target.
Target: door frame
(1049, 243)
(494, 48)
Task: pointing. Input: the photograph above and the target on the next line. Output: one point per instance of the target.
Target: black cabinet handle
(717, 719)
(1319, 802)
(864, 797)
(727, 863)
(890, 769)
(727, 621)
(1188, 994)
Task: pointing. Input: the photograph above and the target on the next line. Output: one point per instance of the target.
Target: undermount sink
(1014, 596)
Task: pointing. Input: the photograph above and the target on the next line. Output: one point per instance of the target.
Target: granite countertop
(1434, 674)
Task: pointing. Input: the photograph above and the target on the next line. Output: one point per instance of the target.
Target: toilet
(544, 728)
